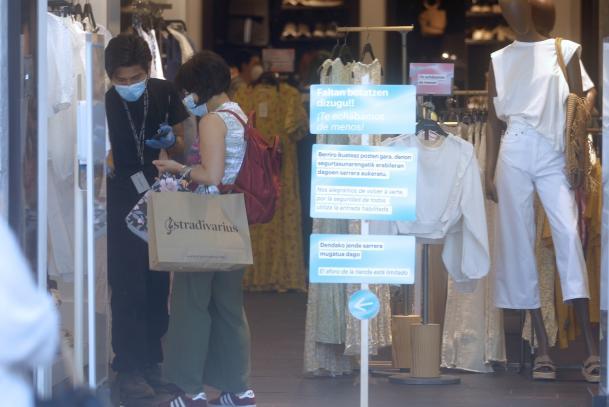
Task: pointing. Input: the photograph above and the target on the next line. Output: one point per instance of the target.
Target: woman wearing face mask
(144, 118)
(208, 341)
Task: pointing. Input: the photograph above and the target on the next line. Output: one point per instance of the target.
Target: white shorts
(527, 162)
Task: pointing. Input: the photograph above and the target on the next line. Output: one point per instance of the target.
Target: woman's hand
(170, 166)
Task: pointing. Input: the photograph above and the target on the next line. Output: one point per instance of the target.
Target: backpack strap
(243, 123)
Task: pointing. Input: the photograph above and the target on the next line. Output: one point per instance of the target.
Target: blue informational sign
(363, 304)
(363, 109)
(363, 182)
(371, 259)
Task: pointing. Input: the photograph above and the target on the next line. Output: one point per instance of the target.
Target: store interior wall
(568, 19)
(191, 12)
(373, 13)
(107, 13)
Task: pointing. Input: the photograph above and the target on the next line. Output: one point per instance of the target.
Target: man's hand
(163, 139)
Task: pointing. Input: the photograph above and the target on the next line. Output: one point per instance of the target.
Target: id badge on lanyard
(140, 182)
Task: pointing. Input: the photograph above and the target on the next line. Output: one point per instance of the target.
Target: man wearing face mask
(249, 69)
(144, 122)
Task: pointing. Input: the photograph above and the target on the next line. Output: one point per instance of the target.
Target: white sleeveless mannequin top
(531, 88)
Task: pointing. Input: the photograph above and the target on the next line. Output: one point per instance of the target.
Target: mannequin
(544, 18)
(516, 164)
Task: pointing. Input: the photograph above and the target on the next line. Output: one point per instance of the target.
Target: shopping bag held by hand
(190, 232)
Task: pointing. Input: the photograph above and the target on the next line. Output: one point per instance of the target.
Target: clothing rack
(402, 29)
(470, 92)
(405, 378)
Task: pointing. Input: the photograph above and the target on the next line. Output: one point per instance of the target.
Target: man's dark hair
(205, 74)
(127, 50)
(242, 56)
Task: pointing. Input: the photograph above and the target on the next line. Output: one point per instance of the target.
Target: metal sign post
(365, 183)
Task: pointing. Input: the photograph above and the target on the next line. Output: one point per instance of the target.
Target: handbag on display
(432, 20)
(578, 165)
(137, 219)
(191, 232)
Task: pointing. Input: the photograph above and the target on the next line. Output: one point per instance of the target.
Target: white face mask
(191, 105)
(256, 72)
(132, 92)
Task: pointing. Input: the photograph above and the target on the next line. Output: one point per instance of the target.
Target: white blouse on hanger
(156, 68)
(450, 206)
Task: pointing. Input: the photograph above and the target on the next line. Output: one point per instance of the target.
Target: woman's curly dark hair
(205, 74)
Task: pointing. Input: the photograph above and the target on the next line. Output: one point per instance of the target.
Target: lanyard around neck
(138, 136)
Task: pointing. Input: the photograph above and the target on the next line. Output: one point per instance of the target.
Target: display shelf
(311, 8)
(471, 14)
(240, 45)
(311, 40)
(469, 41)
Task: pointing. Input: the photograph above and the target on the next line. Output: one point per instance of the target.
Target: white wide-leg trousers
(527, 162)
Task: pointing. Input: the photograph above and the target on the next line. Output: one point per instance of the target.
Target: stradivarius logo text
(172, 225)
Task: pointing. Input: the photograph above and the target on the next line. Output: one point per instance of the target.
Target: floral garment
(137, 219)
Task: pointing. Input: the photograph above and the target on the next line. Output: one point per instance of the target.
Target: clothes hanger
(78, 12)
(426, 124)
(344, 53)
(268, 78)
(88, 12)
(367, 50)
(333, 55)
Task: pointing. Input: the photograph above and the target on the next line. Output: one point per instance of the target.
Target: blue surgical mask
(132, 92)
(191, 105)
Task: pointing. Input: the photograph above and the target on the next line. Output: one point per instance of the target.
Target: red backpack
(259, 178)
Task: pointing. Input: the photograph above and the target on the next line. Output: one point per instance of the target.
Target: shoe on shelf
(245, 399)
(478, 34)
(291, 2)
(331, 30)
(504, 33)
(304, 30)
(322, 3)
(289, 31)
(319, 31)
(134, 386)
(487, 35)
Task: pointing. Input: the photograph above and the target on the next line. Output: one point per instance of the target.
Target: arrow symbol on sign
(360, 305)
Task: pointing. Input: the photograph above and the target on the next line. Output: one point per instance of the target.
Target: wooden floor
(277, 322)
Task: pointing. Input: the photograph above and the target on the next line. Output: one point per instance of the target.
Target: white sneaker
(245, 399)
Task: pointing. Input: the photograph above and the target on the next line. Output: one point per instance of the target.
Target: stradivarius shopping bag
(190, 232)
